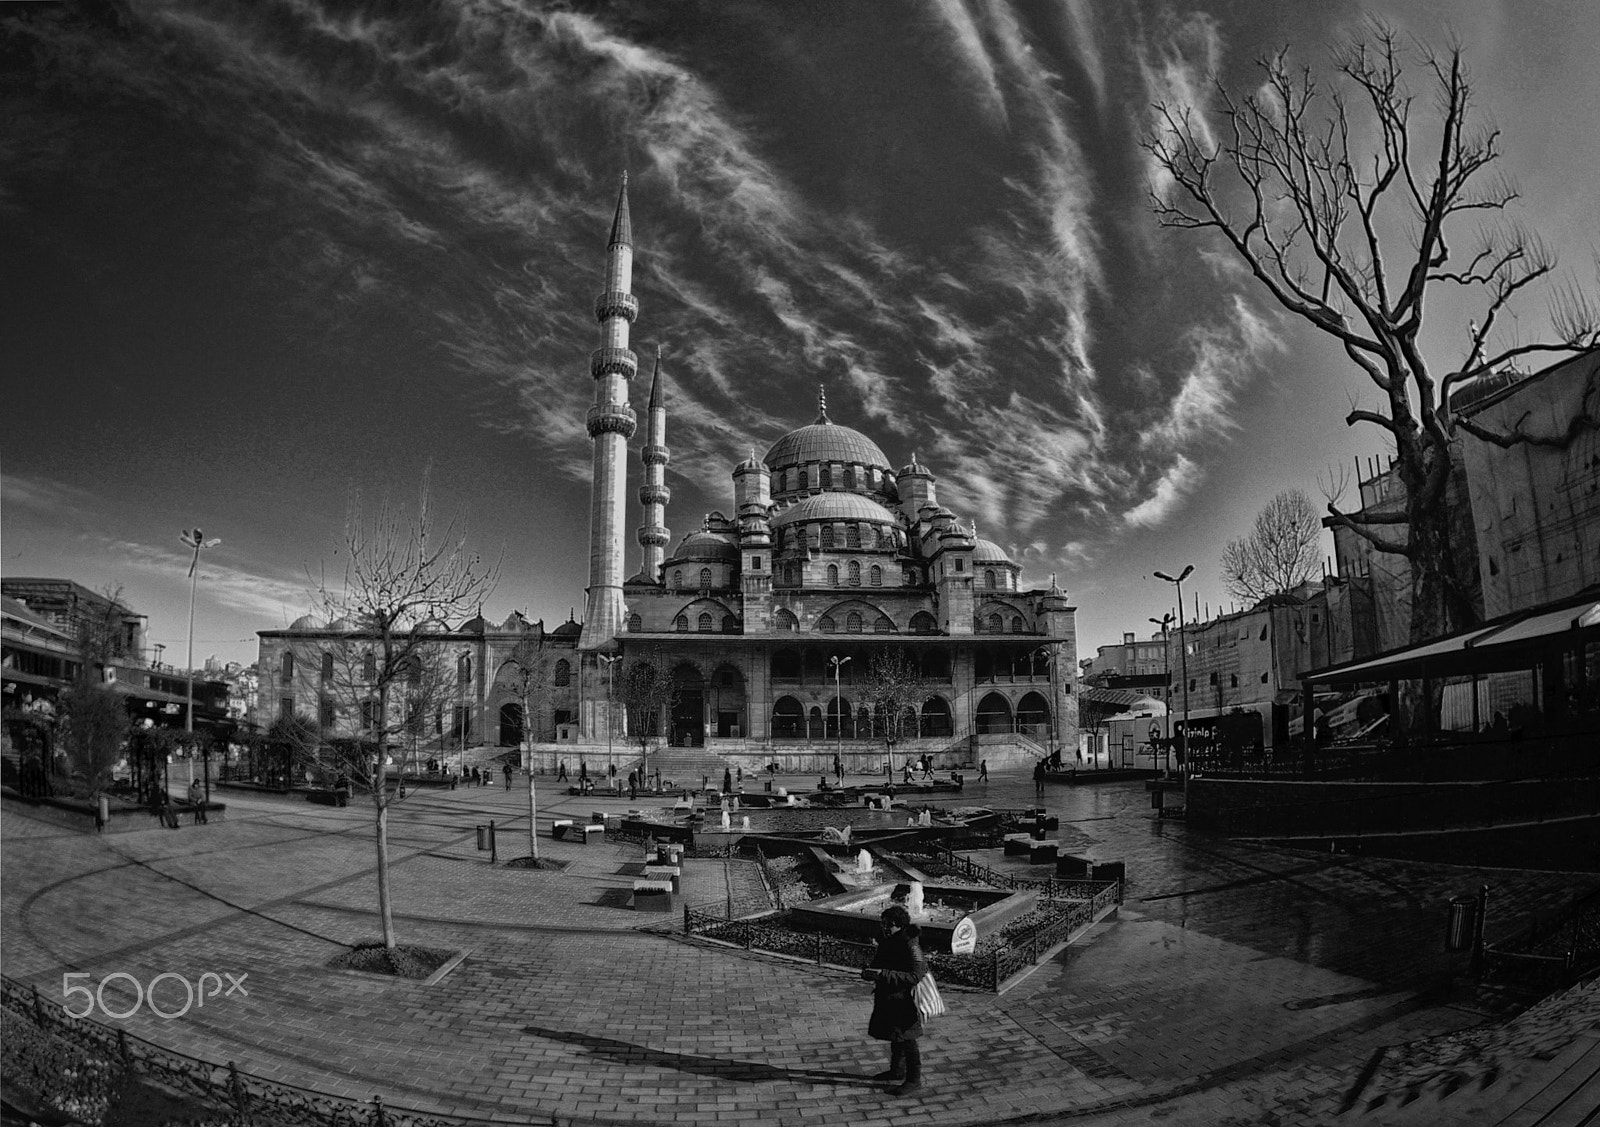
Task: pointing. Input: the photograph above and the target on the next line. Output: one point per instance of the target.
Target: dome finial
(822, 404)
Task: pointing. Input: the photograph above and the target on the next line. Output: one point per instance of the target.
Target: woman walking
(894, 973)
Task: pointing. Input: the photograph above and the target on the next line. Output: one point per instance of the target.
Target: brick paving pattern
(1238, 984)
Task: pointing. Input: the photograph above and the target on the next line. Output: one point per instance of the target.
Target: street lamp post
(195, 539)
(1166, 660)
(838, 705)
(1183, 656)
(610, 661)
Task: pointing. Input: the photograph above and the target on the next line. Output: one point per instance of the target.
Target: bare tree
(532, 675)
(1279, 554)
(646, 692)
(403, 582)
(1346, 205)
(896, 689)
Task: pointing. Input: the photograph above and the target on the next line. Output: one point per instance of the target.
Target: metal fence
(1074, 905)
(80, 1068)
(1550, 952)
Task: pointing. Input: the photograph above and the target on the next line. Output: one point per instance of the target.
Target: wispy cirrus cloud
(1178, 480)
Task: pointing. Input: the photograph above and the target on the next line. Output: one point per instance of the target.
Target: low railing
(1051, 888)
(78, 1067)
(1554, 951)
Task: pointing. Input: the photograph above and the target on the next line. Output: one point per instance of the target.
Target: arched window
(875, 576)
(411, 668)
(855, 573)
(563, 672)
(325, 713)
(635, 623)
(327, 666)
(788, 719)
(827, 537)
(730, 624)
(849, 477)
(288, 666)
(884, 625)
(833, 575)
(369, 667)
(1033, 716)
(464, 670)
(703, 623)
(681, 624)
(988, 578)
(825, 625)
(814, 727)
(994, 715)
(825, 477)
(1017, 625)
(705, 577)
(852, 535)
(804, 477)
(936, 718)
(783, 620)
(992, 624)
(909, 578)
(852, 623)
(924, 623)
(677, 577)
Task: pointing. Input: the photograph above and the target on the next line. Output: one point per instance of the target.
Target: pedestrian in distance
(727, 780)
(633, 785)
(983, 770)
(894, 973)
(561, 775)
(1038, 778)
(507, 770)
(838, 768)
(197, 798)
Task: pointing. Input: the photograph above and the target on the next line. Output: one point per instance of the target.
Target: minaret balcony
(653, 536)
(616, 303)
(652, 494)
(612, 418)
(655, 455)
(622, 361)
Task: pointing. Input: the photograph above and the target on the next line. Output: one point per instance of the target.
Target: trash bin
(483, 839)
(1463, 921)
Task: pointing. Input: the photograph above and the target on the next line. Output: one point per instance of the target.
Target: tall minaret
(611, 424)
(654, 494)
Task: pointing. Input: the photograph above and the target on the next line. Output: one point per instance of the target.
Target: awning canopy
(1514, 642)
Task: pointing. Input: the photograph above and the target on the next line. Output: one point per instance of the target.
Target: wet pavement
(1238, 984)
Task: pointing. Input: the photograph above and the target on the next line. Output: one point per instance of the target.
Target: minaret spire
(654, 494)
(611, 423)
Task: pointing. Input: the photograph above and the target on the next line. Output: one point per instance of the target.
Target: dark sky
(255, 255)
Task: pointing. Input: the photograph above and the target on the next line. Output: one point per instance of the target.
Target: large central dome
(824, 441)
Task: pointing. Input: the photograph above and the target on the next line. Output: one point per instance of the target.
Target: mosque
(768, 618)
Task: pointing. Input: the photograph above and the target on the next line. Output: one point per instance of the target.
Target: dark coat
(900, 967)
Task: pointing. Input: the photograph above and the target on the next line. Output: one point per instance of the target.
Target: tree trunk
(533, 813)
(385, 911)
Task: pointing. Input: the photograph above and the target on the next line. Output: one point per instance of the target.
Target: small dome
(705, 545)
(306, 622)
(568, 629)
(985, 550)
(477, 624)
(345, 625)
(915, 466)
(834, 506)
(752, 464)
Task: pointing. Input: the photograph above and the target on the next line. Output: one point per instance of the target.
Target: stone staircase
(687, 766)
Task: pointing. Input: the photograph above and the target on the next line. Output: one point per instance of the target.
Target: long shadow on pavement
(750, 1072)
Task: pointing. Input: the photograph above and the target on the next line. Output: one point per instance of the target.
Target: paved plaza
(1238, 984)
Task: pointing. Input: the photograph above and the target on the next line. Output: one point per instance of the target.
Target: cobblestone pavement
(1238, 984)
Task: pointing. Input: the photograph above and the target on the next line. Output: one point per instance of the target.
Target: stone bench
(1076, 868)
(567, 830)
(1043, 852)
(670, 874)
(591, 831)
(559, 828)
(652, 896)
(1017, 844)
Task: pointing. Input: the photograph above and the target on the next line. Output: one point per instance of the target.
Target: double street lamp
(838, 706)
(1183, 654)
(195, 539)
(1166, 660)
